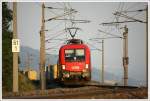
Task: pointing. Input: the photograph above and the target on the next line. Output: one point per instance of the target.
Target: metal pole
(147, 46)
(15, 54)
(102, 61)
(125, 55)
(42, 51)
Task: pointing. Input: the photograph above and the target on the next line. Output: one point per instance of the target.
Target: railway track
(89, 91)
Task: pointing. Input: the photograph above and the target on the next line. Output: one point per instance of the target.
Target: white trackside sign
(15, 45)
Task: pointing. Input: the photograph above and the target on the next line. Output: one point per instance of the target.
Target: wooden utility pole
(15, 54)
(125, 55)
(102, 62)
(42, 51)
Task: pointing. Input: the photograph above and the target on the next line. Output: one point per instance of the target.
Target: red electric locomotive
(74, 60)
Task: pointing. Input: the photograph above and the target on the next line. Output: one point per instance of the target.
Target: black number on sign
(15, 42)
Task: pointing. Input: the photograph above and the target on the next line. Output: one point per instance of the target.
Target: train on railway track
(74, 62)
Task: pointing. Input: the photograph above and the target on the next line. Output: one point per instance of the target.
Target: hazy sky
(29, 23)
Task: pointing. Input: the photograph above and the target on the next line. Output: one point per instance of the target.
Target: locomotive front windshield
(74, 55)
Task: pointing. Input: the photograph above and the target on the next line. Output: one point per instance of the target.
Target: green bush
(25, 84)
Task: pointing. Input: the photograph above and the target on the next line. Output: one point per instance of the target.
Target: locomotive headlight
(63, 66)
(86, 66)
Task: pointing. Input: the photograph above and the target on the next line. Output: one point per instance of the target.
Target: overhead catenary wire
(110, 28)
(117, 22)
(67, 13)
(59, 9)
(137, 13)
(56, 26)
(56, 47)
(96, 39)
(120, 13)
(93, 46)
(131, 11)
(62, 39)
(60, 4)
(58, 44)
(122, 6)
(53, 12)
(55, 33)
(109, 33)
(132, 6)
(71, 16)
(55, 36)
(53, 47)
(116, 17)
(128, 17)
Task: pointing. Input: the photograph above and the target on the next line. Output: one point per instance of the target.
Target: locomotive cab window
(74, 55)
